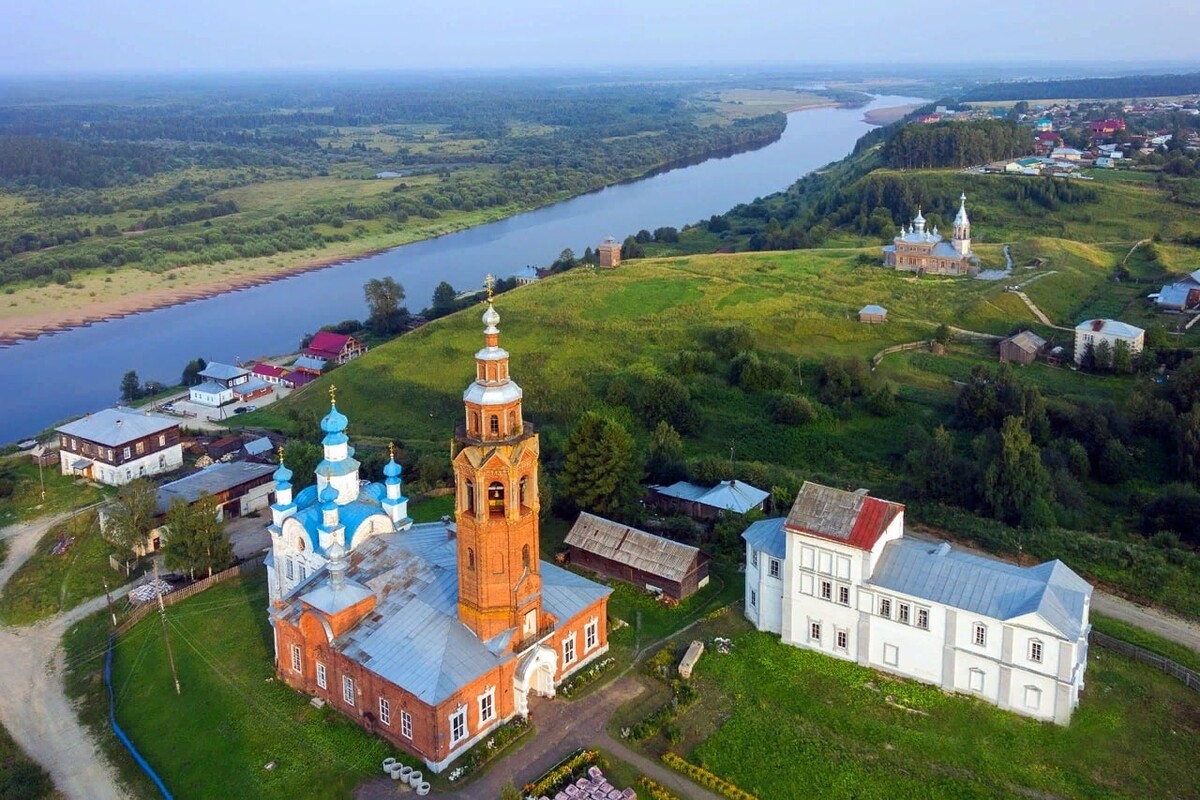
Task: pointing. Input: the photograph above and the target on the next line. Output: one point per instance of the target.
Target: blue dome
(392, 469)
(329, 494)
(335, 421)
(283, 474)
(306, 497)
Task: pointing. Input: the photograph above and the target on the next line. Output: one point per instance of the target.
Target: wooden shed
(872, 314)
(650, 562)
(1022, 348)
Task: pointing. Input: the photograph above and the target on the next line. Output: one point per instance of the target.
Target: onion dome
(392, 469)
(919, 219)
(336, 551)
(282, 474)
(335, 421)
(491, 319)
(328, 495)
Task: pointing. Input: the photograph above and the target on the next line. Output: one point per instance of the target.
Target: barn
(1022, 348)
(650, 562)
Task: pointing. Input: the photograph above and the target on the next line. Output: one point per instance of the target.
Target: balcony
(462, 437)
(529, 641)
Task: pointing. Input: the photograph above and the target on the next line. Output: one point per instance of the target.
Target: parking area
(196, 415)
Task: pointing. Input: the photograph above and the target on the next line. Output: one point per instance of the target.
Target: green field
(24, 501)
(781, 717)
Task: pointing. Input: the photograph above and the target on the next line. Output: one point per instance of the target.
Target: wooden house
(336, 347)
(117, 445)
(650, 562)
(1022, 348)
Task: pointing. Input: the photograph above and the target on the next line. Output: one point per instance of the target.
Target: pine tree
(601, 469)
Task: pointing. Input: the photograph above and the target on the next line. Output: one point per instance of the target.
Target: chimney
(1097, 324)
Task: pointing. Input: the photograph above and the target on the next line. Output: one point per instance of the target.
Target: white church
(838, 576)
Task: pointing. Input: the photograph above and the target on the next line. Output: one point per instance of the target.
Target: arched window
(475, 422)
(525, 556)
(469, 489)
(471, 559)
(300, 543)
(512, 422)
(494, 425)
(495, 498)
(523, 487)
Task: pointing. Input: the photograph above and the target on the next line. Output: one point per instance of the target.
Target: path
(998, 274)
(32, 705)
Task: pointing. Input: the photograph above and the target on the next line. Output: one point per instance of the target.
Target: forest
(142, 179)
(955, 144)
(1086, 88)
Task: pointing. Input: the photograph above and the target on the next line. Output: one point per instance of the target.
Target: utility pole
(108, 596)
(162, 615)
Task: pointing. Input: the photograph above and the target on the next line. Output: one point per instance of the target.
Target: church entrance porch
(534, 674)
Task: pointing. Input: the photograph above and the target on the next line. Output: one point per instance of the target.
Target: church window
(385, 711)
(569, 650)
(530, 623)
(291, 570)
(814, 632)
(904, 611)
(1035, 650)
(980, 636)
(842, 639)
(523, 488)
(495, 497)
(321, 675)
(826, 590)
(348, 689)
(773, 568)
(494, 425)
(487, 707)
(475, 422)
(589, 635)
(469, 500)
(923, 618)
(512, 422)
(300, 543)
(406, 724)
(1033, 698)
(303, 573)
(458, 726)
(525, 556)
(296, 658)
(471, 558)
(885, 607)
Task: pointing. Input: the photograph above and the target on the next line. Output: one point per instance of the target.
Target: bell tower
(962, 228)
(495, 460)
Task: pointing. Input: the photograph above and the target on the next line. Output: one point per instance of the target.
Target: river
(77, 371)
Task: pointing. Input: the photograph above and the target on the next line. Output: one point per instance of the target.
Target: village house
(430, 635)
(1182, 295)
(1092, 332)
(656, 564)
(117, 445)
(1023, 347)
(703, 503)
(269, 373)
(237, 487)
(224, 384)
(307, 365)
(921, 251)
(339, 348)
(838, 576)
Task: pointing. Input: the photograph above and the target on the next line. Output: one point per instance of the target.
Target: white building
(118, 445)
(838, 576)
(1094, 331)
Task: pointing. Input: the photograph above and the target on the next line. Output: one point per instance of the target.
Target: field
(777, 717)
(25, 502)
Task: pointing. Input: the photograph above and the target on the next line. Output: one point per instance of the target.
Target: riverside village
(883, 484)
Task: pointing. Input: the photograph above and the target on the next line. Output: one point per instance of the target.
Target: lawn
(793, 718)
(63, 492)
(47, 584)
(431, 509)
(238, 717)
(21, 778)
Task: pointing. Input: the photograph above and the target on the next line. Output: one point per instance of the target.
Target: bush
(705, 778)
(791, 409)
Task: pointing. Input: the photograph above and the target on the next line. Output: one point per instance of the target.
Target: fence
(1181, 673)
(183, 594)
(897, 348)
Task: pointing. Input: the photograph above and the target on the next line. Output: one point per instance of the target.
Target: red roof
(850, 518)
(269, 370)
(327, 344)
(872, 521)
(299, 378)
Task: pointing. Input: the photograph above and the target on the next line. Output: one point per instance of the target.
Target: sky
(168, 36)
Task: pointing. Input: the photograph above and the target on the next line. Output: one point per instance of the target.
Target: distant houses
(339, 348)
(223, 384)
(609, 253)
(654, 563)
(118, 445)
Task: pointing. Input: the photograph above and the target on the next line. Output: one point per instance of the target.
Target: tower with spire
(962, 228)
(495, 460)
(921, 250)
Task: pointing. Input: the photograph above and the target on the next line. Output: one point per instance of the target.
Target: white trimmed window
(842, 640)
(487, 707)
(904, 611)
(891, 655)
(126, 452)
(406, 724)
(458, 725)
(773, 568)
(753, 598)
(844, 595)
(590, 637)
(296, 658)
(385, 711)
(923, 618)
(814, 631)
(569, 650)
(885, 607)
(826, 590)
(980, 635)
(321, 675)
(291, 569)
(1035, 650)
(975, 680)
(1033, 698)
(348, 689)
(754, 558)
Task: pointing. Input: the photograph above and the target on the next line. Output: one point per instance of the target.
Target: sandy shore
(886, 116)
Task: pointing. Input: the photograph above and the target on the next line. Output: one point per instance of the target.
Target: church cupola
(284, 506)
(495, 459)
(338, 468)
(962, 228)
(394, 502)
(331, 528)
(919, 223)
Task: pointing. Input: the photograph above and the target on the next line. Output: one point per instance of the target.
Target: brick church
(430, 635)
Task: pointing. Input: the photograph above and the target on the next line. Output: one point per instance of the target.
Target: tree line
(955, 144)
(1127, 86)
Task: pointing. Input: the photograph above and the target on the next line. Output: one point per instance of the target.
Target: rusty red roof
(850, 518)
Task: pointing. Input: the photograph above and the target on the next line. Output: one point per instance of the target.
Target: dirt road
(32, 705)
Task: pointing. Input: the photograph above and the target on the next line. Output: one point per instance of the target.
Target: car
(167, 407)
(250, 407)
(241, 410)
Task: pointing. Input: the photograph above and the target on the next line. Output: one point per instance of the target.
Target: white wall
(152, 464)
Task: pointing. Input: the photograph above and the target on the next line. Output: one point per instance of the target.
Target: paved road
(32, 705)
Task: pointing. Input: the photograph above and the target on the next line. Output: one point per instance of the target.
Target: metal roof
(257, 447)
(1028, 341)
(1174, 295)
(222, 372)
(726, 495)
(873, 309)
(308, 362)
(995, 589)
(210, 387)
(767, 536)
(635, 548)
(1110, 327)
(254, 384)
(116, 426)
(220, 477)
(851, 518)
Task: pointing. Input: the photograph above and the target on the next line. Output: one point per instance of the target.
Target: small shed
(1022, 348)
(694, 651)
(44, 456)
(654, 563)
(872, 314)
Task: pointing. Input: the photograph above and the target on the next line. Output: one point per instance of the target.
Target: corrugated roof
(1028, 341)
(767, 536)
(872, 309)
(219, 477)
(727, 495)
(636, 548)
(222, 372)
(851, 518)
(1174, 295)
(116, 426)
(995, 589)
(1110, 327)
(308, 362)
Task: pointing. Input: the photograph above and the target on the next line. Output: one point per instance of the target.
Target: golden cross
(280, 454)
(332, 394)
(489, 283)
(392, 451)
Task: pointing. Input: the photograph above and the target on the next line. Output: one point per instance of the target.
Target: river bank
(886, 116)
